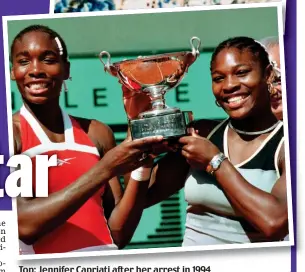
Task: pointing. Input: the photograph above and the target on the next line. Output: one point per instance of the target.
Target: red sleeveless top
(86, 229)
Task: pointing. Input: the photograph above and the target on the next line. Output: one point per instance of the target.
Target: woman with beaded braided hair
(86, 209)
(233, 172)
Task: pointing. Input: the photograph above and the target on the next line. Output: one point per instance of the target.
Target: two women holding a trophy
(233, 172)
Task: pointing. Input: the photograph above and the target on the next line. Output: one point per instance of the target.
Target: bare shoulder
(205, 126)
(17, 133)
(16, 118)
(99, 133)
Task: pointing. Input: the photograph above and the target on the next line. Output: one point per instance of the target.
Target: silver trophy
(154, 76)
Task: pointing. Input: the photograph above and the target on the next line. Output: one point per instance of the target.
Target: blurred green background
(92, 93)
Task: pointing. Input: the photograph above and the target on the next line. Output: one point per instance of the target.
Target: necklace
(254, 132)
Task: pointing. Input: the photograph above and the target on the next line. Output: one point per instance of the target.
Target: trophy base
(170, 126)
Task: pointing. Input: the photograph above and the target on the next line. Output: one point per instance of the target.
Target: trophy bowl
(154, 76)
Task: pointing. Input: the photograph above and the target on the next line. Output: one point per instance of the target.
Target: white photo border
(277, 5)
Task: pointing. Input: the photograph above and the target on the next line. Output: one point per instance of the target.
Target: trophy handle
(107, 65)
(195, 44)
(192, 56)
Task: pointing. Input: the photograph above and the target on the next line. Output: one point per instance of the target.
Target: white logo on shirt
(64, 161)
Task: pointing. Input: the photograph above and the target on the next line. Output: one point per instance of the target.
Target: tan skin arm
(34, 222)
(164, 181)
(124, 210)
(267, 212)
(113, 190)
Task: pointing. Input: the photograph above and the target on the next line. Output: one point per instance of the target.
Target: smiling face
(37, 67)
(239, 83)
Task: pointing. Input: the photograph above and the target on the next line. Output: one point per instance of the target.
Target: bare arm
(167, 178)
(33, 220)
(126, 215)
(265, 211)
(124, 210)
(164, 182)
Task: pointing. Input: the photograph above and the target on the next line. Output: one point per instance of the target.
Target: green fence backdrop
(92, 93)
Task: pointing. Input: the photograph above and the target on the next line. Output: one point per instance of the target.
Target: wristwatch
(215, 163)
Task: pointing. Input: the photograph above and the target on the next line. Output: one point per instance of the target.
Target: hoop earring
(65, 85)
(217, 104)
